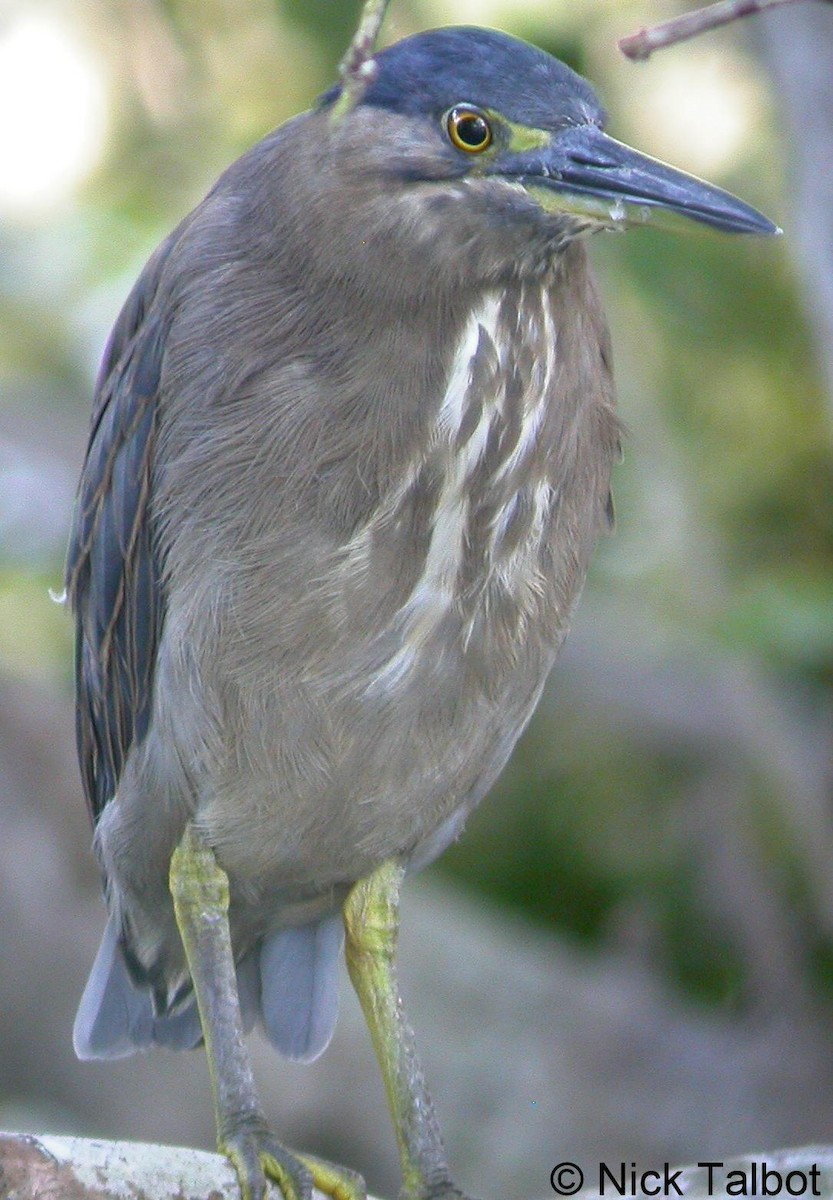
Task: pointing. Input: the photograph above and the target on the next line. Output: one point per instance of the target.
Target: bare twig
(645, 41)
(357, 69)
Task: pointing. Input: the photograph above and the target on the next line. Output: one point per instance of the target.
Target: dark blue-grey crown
(426, 74)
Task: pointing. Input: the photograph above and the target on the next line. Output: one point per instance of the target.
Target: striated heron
(350, 454)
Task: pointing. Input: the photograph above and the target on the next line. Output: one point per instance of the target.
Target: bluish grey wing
(114, 571)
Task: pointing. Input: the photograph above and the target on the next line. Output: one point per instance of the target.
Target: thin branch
(357, 69)
(645, 41)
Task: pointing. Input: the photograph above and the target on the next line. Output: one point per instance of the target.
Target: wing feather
(114, 569)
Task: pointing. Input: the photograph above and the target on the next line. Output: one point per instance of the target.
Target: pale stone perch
(37, 1167)
(34, 1167)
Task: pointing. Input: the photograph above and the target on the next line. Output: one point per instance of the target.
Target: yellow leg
(371, 920)
(200, 892)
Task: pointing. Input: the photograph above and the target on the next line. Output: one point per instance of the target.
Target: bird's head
(480, 133)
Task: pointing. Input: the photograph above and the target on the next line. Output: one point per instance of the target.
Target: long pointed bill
(585, 172)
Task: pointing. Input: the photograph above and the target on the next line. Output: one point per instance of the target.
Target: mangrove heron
(350, 454)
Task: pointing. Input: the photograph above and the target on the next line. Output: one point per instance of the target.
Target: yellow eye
(469, 129)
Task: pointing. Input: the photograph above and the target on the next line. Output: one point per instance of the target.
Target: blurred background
(630, 953)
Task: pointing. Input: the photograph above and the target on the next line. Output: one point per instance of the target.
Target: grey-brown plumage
(351, 453)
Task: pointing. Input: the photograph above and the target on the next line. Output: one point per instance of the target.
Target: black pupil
(472, 130)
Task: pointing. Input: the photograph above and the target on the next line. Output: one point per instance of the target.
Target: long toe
(258, 1156)
(333, 1180)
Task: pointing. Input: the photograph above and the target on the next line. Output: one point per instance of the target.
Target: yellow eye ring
(469, 129)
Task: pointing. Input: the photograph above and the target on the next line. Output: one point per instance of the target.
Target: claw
(257, 1156)
(335, 1181)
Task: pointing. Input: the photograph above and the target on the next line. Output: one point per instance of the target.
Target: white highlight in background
(53, 114)
(700, 112)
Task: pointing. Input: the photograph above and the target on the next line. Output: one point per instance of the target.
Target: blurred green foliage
(725, 500)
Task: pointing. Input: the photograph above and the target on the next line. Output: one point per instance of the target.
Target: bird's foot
(334, 1180)
(258, 1156)
(440, 1188)
(448, 1193)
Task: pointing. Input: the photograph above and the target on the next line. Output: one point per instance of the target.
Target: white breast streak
(535, 410)
(445, 551)
(535, 400)
(520, 569)
(433, 595)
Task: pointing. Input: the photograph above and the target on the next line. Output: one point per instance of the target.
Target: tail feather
(299, 987)
(289, 982)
